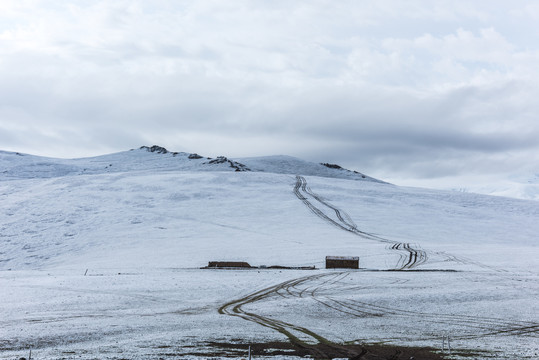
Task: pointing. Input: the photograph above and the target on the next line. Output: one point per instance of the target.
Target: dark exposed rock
(155, 148)
(233, 164)
(194, 156)
(238, 166)
(338, 167)
(218, 160)
(331, 166)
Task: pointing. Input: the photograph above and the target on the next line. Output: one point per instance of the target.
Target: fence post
(443, 343)
(444, 337)
(249, 352)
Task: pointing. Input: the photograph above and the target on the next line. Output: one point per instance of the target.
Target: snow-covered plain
(517, 186)
(100, 258)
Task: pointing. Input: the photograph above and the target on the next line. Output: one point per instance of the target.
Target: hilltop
(15, 165)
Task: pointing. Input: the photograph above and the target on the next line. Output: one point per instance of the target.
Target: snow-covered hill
(156, 158)
(290, 165)
(100, 258)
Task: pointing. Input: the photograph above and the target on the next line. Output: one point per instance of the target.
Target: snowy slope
(139, 224)
(515, 186)
(519, 186)
(290, 165)
(188, 218)
(155, 158)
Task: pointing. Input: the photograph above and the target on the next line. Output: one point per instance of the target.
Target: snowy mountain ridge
(24, 166)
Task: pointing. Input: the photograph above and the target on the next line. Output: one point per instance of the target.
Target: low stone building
(342, 262)
(228, 264)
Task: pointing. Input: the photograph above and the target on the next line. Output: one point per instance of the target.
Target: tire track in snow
(315, 286)
(297, 335)
(410, 257)
(344, 221)
(474, 326)
(325, 289)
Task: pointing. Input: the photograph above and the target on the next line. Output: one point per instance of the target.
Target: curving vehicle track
(343, 221)
(334, 293)
(297, 335)
(410, 256)
(324, 293)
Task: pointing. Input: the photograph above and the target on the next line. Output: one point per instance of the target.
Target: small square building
(342, 262)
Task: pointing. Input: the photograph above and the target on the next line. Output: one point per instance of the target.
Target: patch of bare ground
(320, 351)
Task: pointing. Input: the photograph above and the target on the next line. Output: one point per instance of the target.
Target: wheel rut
(297, 335)
(329, 290)
(323, 288)
(410, 256)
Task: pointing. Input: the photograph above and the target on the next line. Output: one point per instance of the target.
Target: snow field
(143, 234)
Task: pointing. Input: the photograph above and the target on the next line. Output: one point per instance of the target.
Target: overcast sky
(400, 90)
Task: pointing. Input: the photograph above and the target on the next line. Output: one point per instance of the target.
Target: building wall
(342, 264)
(228, 264)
